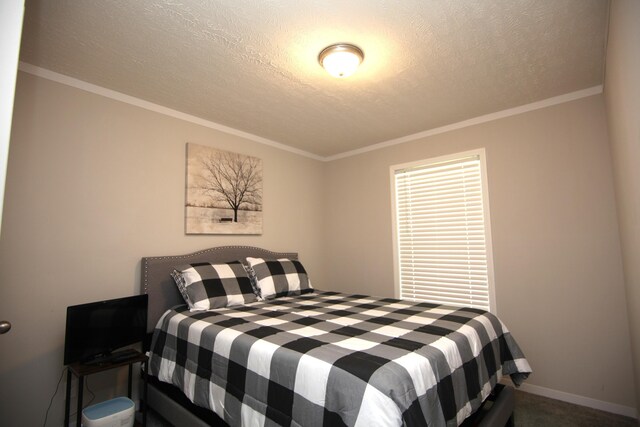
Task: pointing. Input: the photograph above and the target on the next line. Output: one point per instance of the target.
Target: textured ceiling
(252, 65)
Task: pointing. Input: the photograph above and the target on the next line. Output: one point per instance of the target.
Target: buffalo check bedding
(331, 359)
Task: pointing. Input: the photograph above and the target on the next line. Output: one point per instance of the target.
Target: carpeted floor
(531, 411)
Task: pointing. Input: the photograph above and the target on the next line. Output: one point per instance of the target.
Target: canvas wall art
(224, 192)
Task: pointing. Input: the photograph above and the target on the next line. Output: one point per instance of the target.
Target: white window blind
(441, 246)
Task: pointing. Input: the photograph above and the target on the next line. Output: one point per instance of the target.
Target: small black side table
(80, 371)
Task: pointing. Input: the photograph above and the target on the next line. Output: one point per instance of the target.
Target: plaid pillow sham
(279, 278)
(254, 280)
(182, 286)
(205, 286)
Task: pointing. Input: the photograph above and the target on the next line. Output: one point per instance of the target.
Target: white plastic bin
(118, 412)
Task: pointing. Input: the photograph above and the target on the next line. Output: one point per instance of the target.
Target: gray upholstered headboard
(163, 294)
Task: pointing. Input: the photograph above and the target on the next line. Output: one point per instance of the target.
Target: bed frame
(168, 402)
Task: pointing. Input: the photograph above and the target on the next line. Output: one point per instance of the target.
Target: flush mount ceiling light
(341, 60)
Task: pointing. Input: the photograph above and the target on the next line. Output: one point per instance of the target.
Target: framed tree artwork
(224, 192)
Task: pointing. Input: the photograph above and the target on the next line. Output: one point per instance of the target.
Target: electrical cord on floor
(46, 415)
(93, 396)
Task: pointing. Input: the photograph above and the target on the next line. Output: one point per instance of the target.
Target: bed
(322, 358)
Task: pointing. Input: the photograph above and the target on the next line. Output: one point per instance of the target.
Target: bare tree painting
(224, 192)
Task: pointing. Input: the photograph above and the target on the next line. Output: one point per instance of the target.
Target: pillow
(279, 278)
(254, 280)
(208, 286)
(182, 286)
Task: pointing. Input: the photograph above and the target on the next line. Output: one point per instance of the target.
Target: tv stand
(115, 360)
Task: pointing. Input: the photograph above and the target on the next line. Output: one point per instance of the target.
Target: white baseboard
(601, 405)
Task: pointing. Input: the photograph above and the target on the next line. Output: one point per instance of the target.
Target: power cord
(46, 415)
(93, 396)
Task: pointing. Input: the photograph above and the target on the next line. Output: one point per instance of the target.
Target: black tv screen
(96, 329)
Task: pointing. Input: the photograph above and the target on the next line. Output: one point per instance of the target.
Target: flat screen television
(95, 330)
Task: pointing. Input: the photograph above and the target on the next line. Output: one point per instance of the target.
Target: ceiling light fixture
(341, 60)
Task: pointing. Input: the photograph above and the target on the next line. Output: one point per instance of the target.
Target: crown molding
(118, 96)
(474, 121)
(127, 99)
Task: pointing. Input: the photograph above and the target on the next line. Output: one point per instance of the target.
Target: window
(442, 241)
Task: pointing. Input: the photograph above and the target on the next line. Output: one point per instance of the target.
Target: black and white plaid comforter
(330, 359)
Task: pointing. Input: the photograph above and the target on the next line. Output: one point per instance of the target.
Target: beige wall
(559, 283)
(92, 186)
(622, 94)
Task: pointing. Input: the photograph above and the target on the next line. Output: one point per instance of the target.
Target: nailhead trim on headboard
(204, 251)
